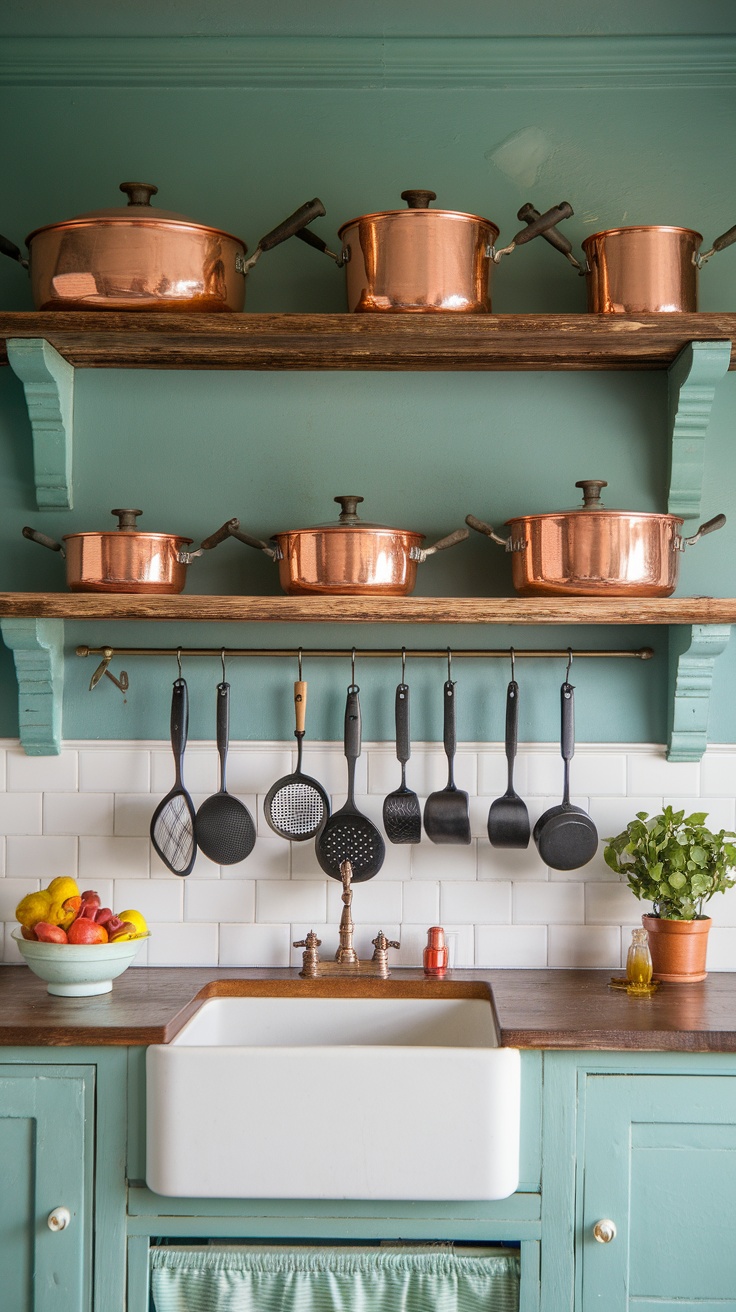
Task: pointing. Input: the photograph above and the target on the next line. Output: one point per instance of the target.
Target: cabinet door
(660, 1162)
(45, 1128)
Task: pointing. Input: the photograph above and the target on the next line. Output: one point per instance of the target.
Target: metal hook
(513, 673)
(178, 659)
(449, 665)
(222, 662)
(352, 667)
(569, 664)
(121, 683)
(299, 658)
(403, 665)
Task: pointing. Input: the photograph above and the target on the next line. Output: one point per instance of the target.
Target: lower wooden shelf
(32, 626)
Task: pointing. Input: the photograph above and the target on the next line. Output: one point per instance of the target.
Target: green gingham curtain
(264, 1279)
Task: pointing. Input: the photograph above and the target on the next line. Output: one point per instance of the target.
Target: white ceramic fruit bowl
(77, 970)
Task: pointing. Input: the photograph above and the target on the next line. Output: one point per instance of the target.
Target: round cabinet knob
(59, 1219)
(604, 1231)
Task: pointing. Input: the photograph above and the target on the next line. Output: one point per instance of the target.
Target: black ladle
(508, 818)
(565, 835)
(224, 827)
(446, 817)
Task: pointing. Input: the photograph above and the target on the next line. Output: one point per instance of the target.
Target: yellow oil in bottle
(639, 964)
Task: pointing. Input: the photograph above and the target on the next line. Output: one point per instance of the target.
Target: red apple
(46, 933)
(83, 930)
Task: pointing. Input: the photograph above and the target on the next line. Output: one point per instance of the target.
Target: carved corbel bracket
(38, 647)
(692, 380)
(693, 652)
(48, 382)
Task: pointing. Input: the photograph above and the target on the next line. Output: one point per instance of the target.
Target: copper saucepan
(595, 552)
(135, 257)
(126, 559)
(348, 557)
(422, 260)
(638, 270)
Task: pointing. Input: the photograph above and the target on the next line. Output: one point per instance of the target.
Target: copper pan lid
(418, 203)
(348, 519)
(592, 505)
(138, 210)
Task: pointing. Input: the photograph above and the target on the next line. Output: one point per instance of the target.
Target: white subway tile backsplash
(87, 813)
(11, 952)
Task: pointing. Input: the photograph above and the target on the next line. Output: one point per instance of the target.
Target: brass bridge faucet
(346, 958)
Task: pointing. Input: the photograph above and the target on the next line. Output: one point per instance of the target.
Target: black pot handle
(313, 209)
(13, 252)
(33, 535)
(528, 214)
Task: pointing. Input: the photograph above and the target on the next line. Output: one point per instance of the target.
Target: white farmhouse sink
(387, 1090)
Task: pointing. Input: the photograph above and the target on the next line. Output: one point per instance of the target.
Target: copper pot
(638, 270)
(422, 260)
(135, 257)
(127, 560)
(348, 557)
(594, 552)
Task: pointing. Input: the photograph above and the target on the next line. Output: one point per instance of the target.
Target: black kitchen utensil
(565, 835)
(224, 827)
(348, 835)
(402, 815)
(172, 823)
(296, 806)
(446, 817)
(508, 818)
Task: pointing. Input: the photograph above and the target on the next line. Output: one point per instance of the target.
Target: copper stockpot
(638, 270)
(136, 257)
(595, 552)
(348, 557)
(125, 559)
(421, 260)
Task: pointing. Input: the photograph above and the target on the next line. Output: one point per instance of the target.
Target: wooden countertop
(552, 1009)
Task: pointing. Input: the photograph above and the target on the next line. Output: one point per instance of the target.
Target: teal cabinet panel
(660, 1162)
(46, 1150)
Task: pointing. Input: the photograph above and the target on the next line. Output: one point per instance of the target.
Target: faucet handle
(310, 956)
(380, 955)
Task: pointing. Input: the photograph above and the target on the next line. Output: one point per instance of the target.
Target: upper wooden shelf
(138, 340)
(368, 610)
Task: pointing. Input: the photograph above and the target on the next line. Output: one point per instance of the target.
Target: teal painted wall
(423, 449)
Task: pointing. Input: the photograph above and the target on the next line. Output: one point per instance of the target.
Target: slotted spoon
(224, 827)
(402, 814)
(297, 806)
(172, 823)
(348, 835)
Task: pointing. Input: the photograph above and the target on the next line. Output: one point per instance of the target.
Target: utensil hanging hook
(178, 659)
(222, 662)
(569, 665)
(403, 664)
(449, 665)
(352, 668)
(107, 655)
(513, 673)
(299, 659)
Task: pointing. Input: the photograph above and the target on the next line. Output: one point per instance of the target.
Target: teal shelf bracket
(692, 380)
(38, 650)
(48, 382)
(692, 655)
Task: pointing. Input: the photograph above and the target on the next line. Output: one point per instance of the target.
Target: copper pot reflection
(127, 560)
(348, 557)
(135, 257)
(594, 552)
(423, 261)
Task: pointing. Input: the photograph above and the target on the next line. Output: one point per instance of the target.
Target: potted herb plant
(676, 863)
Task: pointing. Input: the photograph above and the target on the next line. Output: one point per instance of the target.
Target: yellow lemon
(32, 908)
(63, 887)
(135, 918)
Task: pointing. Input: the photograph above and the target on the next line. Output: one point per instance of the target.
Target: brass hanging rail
(639, 653)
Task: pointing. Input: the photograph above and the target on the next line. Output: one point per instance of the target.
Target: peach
(46, 933)
(83, 930)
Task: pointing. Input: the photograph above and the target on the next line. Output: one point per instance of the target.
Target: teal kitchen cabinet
(46, 1151)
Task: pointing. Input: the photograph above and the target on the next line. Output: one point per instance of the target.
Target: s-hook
(102, 668)
(513, 669)
(569, 665)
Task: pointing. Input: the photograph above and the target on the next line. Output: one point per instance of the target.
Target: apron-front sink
(336, 1089)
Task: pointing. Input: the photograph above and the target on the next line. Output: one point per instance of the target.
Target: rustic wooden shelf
(135, 340)
(368, 610)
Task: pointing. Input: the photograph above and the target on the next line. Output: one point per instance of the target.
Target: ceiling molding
(564, 63)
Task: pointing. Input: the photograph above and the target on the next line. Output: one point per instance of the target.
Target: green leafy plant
(673, 861)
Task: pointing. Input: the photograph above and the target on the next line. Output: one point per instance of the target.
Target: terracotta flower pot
(678, 948)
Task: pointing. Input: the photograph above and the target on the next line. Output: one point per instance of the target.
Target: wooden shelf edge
(369, 610)
(137, 340)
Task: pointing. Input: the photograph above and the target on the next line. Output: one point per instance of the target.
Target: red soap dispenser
(436, 952)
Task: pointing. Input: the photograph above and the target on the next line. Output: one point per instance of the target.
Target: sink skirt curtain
(259, 1279)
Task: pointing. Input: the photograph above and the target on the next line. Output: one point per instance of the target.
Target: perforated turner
(349, 835)
(172, 823)
(402, 814)
(296, 806)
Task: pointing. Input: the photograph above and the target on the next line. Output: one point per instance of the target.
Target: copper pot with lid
(638, 270)
(348, 557)
(422, 260)
(126, 559)
(595, 552)
(135, 257)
